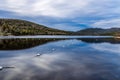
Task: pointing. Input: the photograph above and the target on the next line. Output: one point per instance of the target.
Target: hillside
(22, 27)
(99, 31)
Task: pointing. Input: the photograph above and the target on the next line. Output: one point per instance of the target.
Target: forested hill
(22, 27)
(99, 32)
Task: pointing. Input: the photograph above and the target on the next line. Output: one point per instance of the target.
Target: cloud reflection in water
(75, 61)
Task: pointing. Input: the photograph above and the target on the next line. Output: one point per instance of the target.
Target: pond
(73, 58)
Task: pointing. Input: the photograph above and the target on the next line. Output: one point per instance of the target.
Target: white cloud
(107, 23)
(59, 8)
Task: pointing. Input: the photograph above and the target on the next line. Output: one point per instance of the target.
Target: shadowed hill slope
(22, 27)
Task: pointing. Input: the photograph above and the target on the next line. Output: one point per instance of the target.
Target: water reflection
(107, 47)
(100, 40)
(24, 43)
(62, 60)
(17, 44)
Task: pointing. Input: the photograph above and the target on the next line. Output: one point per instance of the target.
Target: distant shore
(54, 36)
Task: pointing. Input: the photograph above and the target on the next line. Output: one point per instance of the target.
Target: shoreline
(54, 36)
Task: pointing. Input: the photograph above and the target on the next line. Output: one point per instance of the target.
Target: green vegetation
(21, 27)
(99, 32)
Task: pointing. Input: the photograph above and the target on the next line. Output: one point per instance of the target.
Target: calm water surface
(60, 59)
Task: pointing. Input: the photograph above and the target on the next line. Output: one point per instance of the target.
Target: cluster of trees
(21, 27)
(99, 32)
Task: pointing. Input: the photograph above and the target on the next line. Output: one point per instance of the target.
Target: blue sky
(71, 15)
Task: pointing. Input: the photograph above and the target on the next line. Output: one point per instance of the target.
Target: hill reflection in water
(25, 43)
(17, 44)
